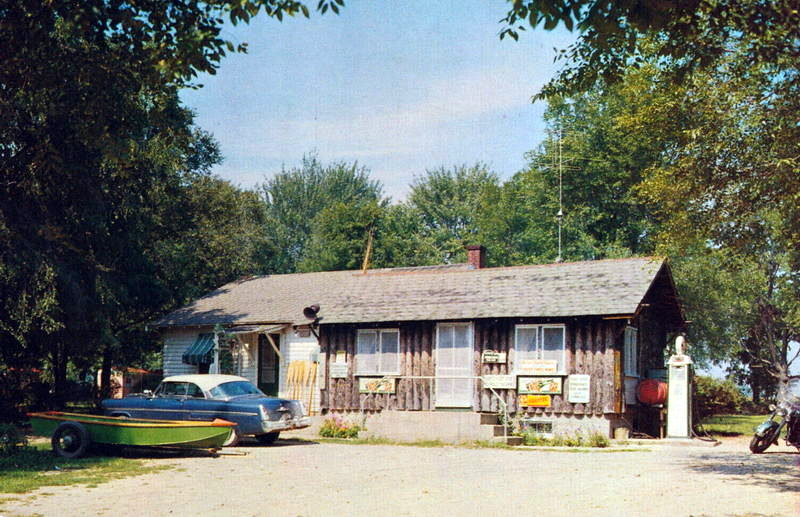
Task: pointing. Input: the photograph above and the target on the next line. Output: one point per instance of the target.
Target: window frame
(562, 362)
(631, 352)
(379, 352)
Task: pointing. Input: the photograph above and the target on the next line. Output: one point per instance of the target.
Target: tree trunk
(104, 391)
(59, 363)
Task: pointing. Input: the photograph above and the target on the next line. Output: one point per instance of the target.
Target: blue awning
(201, 351)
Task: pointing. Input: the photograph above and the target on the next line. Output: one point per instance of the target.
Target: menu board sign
(578, 386)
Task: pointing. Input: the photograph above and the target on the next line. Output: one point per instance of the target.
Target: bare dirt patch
(310, 479)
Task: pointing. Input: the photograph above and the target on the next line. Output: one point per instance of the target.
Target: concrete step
(509, 440)
(489, 419)
(499, 430)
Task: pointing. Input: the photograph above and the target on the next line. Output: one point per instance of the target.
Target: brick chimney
(476, 257)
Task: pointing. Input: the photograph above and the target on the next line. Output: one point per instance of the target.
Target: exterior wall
(296, 348)
(176, 341)
(592, 347)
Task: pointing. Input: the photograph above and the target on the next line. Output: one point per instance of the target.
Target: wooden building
(561, 346)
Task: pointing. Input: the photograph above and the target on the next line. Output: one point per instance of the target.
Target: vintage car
(208, 396)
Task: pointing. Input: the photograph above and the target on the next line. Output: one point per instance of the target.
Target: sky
(399, 87)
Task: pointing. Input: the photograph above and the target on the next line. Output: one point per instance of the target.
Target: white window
(540, 342)
(631, 352)
(378, 352)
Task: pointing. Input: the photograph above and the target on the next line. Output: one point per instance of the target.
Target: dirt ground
(317, 479)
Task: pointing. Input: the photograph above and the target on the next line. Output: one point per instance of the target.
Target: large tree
(299, 201)
(448, 201)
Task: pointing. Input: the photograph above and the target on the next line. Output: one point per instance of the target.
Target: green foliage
(338, 427)
(687, 37)
(577, 439)
(448, 202)
(11, 439)
(300, 201)
(715, 397)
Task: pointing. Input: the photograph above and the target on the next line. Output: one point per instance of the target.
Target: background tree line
(677, 126)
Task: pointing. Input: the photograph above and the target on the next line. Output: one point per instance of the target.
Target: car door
(197, 407)
(167, 402)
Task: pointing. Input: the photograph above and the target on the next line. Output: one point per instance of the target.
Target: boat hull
(138, 432)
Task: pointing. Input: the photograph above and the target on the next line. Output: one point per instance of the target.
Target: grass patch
(732, 425)
(36, 466)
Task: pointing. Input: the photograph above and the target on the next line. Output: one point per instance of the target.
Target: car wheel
(234, 438)
(70, 440)
(267, 439)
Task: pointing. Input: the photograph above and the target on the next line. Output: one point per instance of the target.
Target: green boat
(72, 433)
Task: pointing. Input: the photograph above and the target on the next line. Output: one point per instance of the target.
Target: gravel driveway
(309, 479)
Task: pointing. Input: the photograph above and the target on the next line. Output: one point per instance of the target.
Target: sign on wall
(535, 400)
(493, 356)
(499, 382)
(338, 370)
(538, 385)
(537, 367)
(376, 385)
(578, 386)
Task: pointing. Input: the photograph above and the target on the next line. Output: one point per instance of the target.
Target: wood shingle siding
(590, 344)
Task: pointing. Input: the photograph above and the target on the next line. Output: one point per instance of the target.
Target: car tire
(233, 439)
(267, 439)
(70, 440)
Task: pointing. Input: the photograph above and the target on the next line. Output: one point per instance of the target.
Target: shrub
(11, 439)
(577, 439)
(337, 427)
(715, 397)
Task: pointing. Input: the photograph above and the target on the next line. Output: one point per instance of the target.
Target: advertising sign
(535, 400)
(376, 385)
(499, 382)
(538, 385)
(493, 356)
(537, 367)
(338, 370)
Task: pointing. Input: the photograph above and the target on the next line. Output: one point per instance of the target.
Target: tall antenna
(560, 214)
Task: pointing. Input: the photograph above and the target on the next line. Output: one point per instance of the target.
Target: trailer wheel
(234, 437)
(70, 440)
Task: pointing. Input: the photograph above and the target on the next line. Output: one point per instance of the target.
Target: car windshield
(234, 389)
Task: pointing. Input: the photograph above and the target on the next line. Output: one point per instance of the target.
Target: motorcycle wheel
(760, 444)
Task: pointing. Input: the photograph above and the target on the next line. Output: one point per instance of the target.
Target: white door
(453, 360)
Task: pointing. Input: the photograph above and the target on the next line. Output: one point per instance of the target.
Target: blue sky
(398, 86)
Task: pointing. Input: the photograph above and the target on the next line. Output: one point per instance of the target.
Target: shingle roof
(600, 287)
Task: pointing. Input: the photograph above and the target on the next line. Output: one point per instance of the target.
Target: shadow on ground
(779, 470)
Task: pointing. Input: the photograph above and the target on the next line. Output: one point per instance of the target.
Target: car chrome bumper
(286, 424)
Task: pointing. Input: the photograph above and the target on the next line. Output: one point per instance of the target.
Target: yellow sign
(535, 400)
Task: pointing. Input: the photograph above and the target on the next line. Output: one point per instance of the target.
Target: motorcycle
(784, 414)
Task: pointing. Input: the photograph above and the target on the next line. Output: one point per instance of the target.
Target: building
(423, 352)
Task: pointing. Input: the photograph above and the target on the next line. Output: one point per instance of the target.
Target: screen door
(454, 359)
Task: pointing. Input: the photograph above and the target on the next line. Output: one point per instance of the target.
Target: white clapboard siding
(295, 348)
(176, 341)
(247, 357)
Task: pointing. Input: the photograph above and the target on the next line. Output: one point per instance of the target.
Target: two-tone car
(209, 396)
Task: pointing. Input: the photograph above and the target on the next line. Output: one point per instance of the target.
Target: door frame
(471, 331)
(264, 340)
